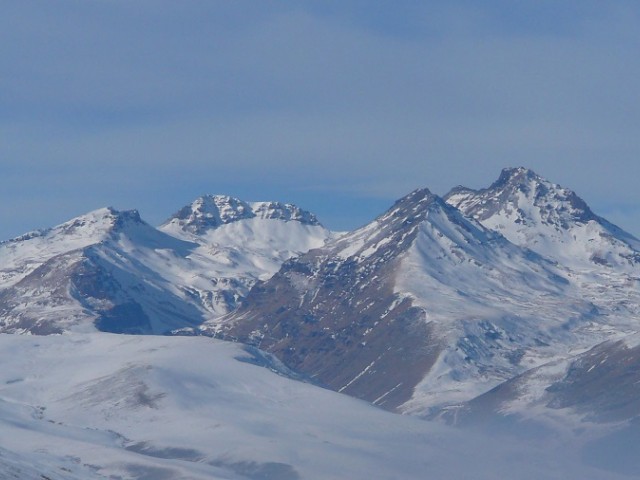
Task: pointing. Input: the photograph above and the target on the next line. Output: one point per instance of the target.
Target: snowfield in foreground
(85, 406)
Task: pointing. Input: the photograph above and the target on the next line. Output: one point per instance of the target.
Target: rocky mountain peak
(323, 302)
(283, 211)
(411, 208)
(524, 196)
(369, 313)
(390, 233)
(211, 211)
(547, 218)
(419, 198)
(518, 176)
(122, 218)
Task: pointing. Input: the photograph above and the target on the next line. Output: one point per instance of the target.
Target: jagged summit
(414, 201)
(526, 196)
(408, 211)
(547, 218)
(283, 211)
(517, 175)
(211, 211)
(394, 231)
(419, 213)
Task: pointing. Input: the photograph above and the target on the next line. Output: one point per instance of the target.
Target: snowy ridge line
(111, 269)
(489, 305)
(448, 299)
(211, 211)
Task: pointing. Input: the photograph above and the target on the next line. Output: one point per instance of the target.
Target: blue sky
(338, 106)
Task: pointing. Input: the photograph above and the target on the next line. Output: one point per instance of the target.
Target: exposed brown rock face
(334, 315)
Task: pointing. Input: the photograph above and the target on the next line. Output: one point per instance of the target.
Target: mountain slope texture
(510, 302)
(112, 271)
(434, 303)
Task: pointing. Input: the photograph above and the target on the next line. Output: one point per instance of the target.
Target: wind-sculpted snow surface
(98, 406)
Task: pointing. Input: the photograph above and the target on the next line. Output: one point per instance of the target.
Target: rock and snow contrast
(420, 295)
(111, 270)
(242, 242)
(549, 219)
(430, 306)
(599, 258)
(208, 212)
(512, 308)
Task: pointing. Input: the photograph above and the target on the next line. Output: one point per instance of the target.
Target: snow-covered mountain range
(111, 270)
(429, 305)
(514, 304)
(420, 291)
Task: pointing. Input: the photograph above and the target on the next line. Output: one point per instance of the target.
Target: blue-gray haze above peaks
(339, 107)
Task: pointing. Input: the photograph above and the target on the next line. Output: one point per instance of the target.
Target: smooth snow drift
(90, 406)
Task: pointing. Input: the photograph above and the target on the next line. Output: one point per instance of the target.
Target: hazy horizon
(338, 107)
